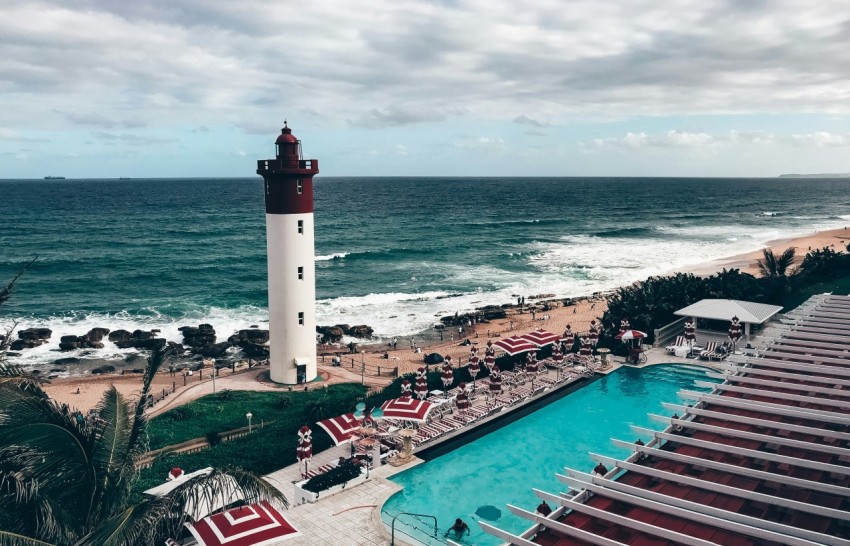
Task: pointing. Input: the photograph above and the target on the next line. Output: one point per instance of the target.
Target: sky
(176, 88)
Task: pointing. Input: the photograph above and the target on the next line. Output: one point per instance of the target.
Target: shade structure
(495, 381)
(515, 345)
(447, 375)
(341, 429)
(541, 337)
(586, 347)
(304, 451)
(258, 524)
(568, 336)
(421, 387)
(629, 335)
(531, 365)
(593, 333)
(407, 409)
(406, 389)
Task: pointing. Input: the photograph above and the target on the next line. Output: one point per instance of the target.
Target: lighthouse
(288, 187)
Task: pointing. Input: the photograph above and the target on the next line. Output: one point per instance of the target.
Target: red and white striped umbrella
(474, 367)
(629, 335)
(304, 451)
(541, 337)
(421, 387)
(557, 355)
(624, 326)
(407, 409)
(462, 398)
(495, 380)
(531, 364)
(447, 374)
(735, 330)
(586, 347)
(515, 345)
(405, 389)
(690, 332)
(593, 333)
(257, 524)
(341, 429)
(568, 336)
(490, 355)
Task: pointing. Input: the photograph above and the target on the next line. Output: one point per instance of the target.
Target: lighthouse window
(301, 318)
(300, 226)
(300, 185)
(300, 273)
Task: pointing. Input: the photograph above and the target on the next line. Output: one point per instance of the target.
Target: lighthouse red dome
(286, 136)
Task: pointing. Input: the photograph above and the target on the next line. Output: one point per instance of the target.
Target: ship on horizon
(54, 178)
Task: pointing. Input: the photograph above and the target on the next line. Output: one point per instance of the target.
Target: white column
(288, 295)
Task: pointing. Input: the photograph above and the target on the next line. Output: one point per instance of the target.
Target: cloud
(131, 139)
(525, 120)
(100, 120)
(670, 139)
(393, 117)
(483, 143)
(10, 135)
(684, 139)
(820, 139)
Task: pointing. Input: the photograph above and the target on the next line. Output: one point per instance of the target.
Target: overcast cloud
(573, 81)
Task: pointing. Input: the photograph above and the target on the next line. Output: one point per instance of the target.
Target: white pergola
(748, 312)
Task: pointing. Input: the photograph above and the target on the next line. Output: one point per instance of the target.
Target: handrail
(392, 526)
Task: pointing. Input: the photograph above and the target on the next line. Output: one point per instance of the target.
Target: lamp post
(249, 415)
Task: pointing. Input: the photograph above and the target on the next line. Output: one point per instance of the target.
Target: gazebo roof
(746, 311)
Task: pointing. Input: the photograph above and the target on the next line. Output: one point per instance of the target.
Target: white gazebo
(748, 312)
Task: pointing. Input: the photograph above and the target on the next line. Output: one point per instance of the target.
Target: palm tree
(66, 479)
(776, 266)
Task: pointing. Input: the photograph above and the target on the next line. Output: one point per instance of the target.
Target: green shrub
(335, 476)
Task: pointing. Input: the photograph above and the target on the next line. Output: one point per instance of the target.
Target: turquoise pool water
(503, 466)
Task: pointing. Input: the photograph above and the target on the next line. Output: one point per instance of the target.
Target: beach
(578, 316)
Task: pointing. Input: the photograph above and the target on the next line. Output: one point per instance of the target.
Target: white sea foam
(329, 257)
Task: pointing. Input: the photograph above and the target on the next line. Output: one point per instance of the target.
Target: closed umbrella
(531, 364)
(462, 399)
(624, 326)
(690, 333)
(495, 381)
(735, 330)
(304, 451)
(447, 375)
(593, 333)
(586, 347)
(405, 389)
(568, 336)
(490, 355)
(421, 387)
(474, 367)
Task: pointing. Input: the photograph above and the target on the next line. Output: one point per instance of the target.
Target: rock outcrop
(252, 341)
(30, 338)
(360, 331)
(200, 336)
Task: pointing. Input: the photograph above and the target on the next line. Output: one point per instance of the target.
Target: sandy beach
(84, 392)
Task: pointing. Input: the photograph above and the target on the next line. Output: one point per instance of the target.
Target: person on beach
(459, 528)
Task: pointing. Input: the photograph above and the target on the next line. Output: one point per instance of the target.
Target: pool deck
(356, 513)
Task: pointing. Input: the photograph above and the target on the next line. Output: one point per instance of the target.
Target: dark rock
(153, 343)
(206, 327)
(361, 331)
(332, 334)
(133, 357)
(35, 333)
(120, 335)
(433, 358)
(69, 345)
(156, 331)
(12, 354)
(68, 360)
(57, 370)
(109, 368)
(94, 345)
(178, 347)
(20, 344)
(136, 370)
(252, 350)
(70, 339)
(216, 350)
(344, 327)
(142, 334)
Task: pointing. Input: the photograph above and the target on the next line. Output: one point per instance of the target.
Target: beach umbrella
(515, 345)
(557, 355)
(495, 381)
(735, 330)
(407, 409)
(421, 386)
(531, 364)
(690, 333)
(624, 326)
(462, 398)
(541, 337)
(630, 335)
(474, 367)
(405, 389)
(568, 336)
(593, 333)
(447, 375)
(251, 525)
(304, 451)
(341, 429)
(490, 355)
(586, 347)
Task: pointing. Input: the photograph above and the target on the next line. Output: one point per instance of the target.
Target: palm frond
(6, 293)
(138, 524)
(785, 261)
(110, 456)
(9, 538)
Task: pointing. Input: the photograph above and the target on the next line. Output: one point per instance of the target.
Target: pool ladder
(392, 527)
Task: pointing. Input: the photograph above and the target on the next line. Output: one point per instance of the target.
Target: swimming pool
(503, 466)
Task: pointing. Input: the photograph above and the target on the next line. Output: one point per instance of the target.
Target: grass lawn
(265, 450)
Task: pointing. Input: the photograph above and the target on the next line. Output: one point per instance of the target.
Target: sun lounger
(709, 350)
(680, 342)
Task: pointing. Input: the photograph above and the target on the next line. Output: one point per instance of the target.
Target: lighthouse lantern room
(288, 186)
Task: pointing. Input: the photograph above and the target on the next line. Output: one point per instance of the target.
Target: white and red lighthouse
(288, 185)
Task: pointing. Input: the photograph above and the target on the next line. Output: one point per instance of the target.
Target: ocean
(392, 252)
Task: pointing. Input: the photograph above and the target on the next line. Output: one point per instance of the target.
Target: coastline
(578, 316)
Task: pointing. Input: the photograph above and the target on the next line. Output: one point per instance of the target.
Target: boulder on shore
(201, 336)
(120, 335)
(35, 333)
(216, 350)
(108, 368)
(361, 331)
(96, 334)
(253, 335)
(332, 334)
(253, 350)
